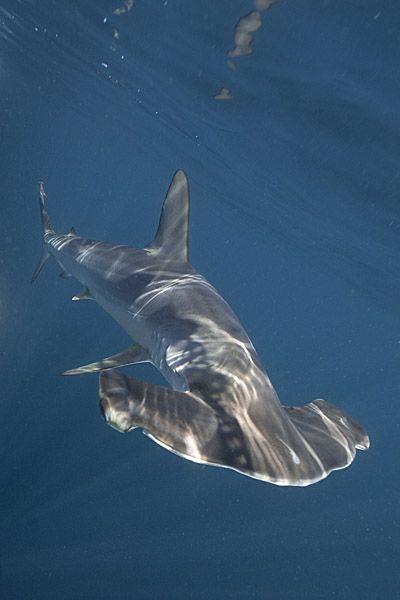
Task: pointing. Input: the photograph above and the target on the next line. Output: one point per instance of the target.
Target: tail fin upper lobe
(47, 229)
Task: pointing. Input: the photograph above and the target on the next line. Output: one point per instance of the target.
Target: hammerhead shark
(221, 408)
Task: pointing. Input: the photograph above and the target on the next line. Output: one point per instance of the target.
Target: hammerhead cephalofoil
(221, 408)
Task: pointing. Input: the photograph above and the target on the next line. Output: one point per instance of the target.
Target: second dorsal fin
(172, 234)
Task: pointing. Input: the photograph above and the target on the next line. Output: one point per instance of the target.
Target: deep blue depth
(295, 218)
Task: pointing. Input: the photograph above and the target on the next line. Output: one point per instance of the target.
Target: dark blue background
(295, 218)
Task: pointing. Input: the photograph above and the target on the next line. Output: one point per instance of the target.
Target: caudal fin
(47, 229)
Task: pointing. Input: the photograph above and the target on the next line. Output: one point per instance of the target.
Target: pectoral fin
(133, 354)
(40, 265)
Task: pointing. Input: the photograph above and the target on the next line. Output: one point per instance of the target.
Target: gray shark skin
(221, 408)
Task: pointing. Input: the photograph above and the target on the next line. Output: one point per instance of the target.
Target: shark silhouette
(221, 408)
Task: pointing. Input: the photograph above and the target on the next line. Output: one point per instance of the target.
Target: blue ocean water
(295, 218)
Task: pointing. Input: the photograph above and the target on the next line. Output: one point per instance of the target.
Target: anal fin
(132, 355)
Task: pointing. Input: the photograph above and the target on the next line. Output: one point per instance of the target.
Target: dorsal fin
(172, 234)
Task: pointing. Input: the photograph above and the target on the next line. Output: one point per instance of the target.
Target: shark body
(221, 408)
